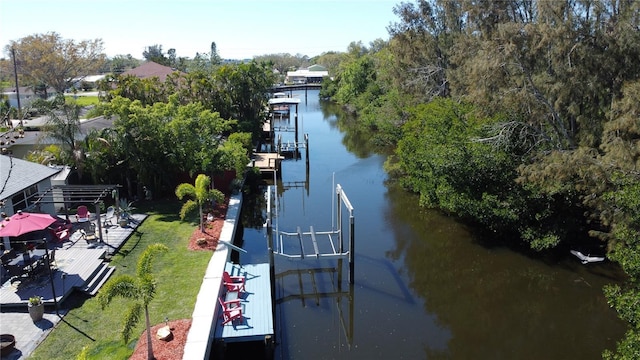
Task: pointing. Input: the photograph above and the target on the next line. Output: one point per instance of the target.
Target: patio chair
(13, 270)
(233, 283)
(231, 310)
(90, 235)
(37, 269)
(7, 256)
(111, 211)
(27, 261)
(83, 214)
(52, 260)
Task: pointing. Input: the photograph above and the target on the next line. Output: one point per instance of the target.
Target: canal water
(424, 286)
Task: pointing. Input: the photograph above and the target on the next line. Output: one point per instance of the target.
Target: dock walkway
(257, 322)
(205, 327)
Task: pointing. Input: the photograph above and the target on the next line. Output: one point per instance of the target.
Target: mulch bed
(208, 240)
(174, 348)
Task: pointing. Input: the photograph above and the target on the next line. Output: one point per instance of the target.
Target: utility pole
(15, 74)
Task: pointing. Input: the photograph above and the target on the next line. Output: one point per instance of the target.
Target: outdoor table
(28, 258)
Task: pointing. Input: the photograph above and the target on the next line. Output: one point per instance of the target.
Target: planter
(7, 344)
(123, 221)
(36, 312)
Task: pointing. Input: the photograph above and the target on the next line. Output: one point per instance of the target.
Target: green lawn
(84, 100)
(178, 272)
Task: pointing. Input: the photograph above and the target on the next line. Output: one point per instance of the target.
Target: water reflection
(424, 287)
(497, 303)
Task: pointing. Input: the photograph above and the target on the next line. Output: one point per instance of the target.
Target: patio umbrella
(22, 223)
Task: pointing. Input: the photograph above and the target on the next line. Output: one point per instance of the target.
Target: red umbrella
(22, 223)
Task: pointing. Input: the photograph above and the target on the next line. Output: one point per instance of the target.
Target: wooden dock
(257, 323)
(267, 163)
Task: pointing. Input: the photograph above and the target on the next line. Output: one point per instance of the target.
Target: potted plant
(124, 210)
(36, 308)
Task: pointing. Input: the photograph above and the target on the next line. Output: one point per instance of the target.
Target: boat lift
(314, 244)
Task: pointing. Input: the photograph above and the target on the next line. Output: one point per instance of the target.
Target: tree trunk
(201, 221)
(149, 345)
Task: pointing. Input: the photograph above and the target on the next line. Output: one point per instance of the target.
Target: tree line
(163, 133)
(520, 117)
(48, 60)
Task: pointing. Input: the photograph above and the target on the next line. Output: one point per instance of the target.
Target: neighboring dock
(267, 163)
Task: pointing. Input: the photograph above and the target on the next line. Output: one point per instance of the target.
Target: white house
(92, 80)
(21, 182)
(27, 96)
(312, 74)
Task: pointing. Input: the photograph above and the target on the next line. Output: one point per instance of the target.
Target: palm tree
(63, 126)
(142, 288)
(199, 194)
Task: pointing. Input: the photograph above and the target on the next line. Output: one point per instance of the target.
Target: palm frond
(215, 195)
(185, 189)
(144, 261)
(130, 320)
(202, 187)
(188, 207)
(120, 286)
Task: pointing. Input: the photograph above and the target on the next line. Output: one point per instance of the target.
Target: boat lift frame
(335, 237)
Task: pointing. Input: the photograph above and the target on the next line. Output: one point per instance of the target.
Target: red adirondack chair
(231, 310)
(83, 214)
(233, 283)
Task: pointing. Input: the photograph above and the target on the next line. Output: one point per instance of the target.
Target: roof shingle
(17, 174)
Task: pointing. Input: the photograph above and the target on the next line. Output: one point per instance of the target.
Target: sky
(241, 29)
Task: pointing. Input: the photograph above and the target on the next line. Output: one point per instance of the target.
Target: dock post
(272, 273)
(352, 251)
(99, 222)
(306, 146)
(339, 221)
(296, 124)
(269, 347)
(340, 265)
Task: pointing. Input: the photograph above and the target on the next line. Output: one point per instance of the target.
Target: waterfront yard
(178, 272)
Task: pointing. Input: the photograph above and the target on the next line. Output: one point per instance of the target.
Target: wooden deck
(267, 163)
(80, 265)
(257, 323)
(113, 236)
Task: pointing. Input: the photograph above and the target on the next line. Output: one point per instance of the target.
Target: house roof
(25, 90)
(307, 73)
(17, 174)
(150, 69)
(90, 78)
(317, 67)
